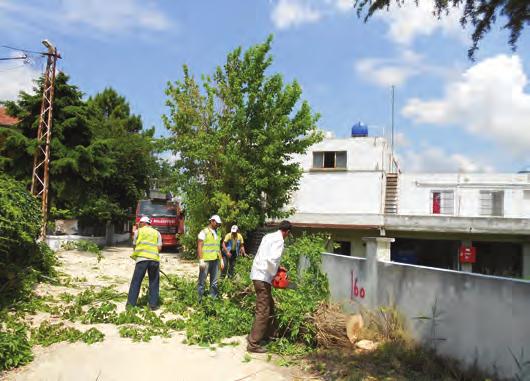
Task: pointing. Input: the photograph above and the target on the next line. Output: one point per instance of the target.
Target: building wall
(415, 192)
(356, 189)
(494, 320)
(363, 154)
(344, 192)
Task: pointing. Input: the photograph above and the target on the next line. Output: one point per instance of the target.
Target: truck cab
(166, 217)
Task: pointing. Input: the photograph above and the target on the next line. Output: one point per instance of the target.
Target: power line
(23, 50)
(25, 57)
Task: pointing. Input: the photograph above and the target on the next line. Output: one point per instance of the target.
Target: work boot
(258, 349)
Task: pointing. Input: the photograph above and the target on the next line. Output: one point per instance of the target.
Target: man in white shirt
(264, 268)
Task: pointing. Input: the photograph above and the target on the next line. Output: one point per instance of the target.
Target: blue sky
(451, 114)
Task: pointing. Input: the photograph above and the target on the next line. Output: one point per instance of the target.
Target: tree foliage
(481, 14)
(233, 136)
(21, 257)
(100, 157)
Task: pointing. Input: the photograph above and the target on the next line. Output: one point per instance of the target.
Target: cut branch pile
(330, 324)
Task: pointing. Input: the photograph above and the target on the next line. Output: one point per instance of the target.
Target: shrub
(15, 348)
(22, 258)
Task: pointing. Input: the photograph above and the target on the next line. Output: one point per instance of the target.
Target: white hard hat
(216, 218)
(145, 219)
(234, 229)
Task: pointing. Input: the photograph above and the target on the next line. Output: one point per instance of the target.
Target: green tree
(481, 14)
(234, 138)
(101, 158)
(131, 149)
(76, 159)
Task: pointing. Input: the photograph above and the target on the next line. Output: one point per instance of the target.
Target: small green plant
(47, 334)
(142, 333)
(246, 358)
(15, 348)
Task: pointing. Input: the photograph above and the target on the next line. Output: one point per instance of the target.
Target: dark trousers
(264, 321)
(230, 264)
(153, 271)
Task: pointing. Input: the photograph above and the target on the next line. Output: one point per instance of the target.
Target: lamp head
(49, 45)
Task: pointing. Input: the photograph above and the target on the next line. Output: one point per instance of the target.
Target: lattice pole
(40, 179)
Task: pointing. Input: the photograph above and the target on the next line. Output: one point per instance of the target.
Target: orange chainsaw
(281, 280)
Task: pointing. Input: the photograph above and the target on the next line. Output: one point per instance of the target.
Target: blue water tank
(359, 129)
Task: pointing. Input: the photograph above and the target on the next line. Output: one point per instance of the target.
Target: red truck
(166, 217)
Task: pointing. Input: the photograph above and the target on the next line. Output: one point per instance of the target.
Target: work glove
(202, 264)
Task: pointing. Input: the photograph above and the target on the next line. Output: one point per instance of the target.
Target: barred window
(443, 202)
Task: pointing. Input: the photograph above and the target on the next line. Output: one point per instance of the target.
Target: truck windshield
(150, 208)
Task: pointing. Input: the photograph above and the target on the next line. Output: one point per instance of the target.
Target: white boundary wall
(481, 318)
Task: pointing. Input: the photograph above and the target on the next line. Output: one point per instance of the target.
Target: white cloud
(434, 159)
(344, 5)
(385, 72)
(100, 16)
(106, 16)
(401, 140)
(16, 77)
(488, 100)
(288, 13)
(409, 21)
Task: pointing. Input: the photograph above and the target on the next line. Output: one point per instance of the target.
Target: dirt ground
(119, 358)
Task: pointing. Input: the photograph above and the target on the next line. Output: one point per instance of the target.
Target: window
(329, 159)
(442, 202)
(491, 203)
(342, 247)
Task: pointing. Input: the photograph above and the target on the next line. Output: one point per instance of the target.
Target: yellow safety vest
(210, 246)
(146, 244)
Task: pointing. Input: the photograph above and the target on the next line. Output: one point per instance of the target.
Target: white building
(351, 188)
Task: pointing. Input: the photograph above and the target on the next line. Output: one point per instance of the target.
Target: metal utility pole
(40, 179)
(393, 87)
(392, 139)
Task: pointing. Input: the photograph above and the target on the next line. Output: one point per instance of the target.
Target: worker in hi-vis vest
(209, 254)
(147, 244)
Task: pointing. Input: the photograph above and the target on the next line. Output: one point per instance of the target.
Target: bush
(294, 308)
(22, 259)
(232, 314)
(15, 348)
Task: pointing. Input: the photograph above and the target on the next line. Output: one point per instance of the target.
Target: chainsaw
(281, 280)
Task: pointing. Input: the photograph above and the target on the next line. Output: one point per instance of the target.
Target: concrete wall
(340, 192)
(55, 241)
(415, 192)
(356, 189)
(481, 317)
(363, 154)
